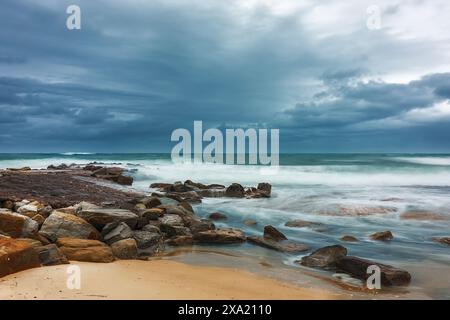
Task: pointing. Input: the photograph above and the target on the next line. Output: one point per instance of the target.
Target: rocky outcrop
(220, 236)
(101, 216)
(382, 236)
(65, 225)
(85, 250)
(125, 249)
(114, 174)
(325, 257)
(16, 256)
(17, 225)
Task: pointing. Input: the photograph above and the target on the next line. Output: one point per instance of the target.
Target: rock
(250, 222)
(150, 202)
(92, 167)
(282, 246)
(151, 228)
(28, 208)
(7, 204)
(16, 256)
(443, 240)
(124, 180)
(422, 216)
(140, 207)
(325, 257)
(84, 205)
(152, 214)
(61, 166)
(265, 187)
(19, 169)
(145, 239)
(217, 216)
(17, 225)
(39, 219)
(187, 206)
(171, 220)
(179, 187)
(222, 236)
(357, 267)
(168, 201)
(125, 249)
(297, 223)
(101, 216)
(196, 225)
(181, 241)
(120, 232)
(85, 250)
(272, 233)
(235, 190)
(159, 185)
(357, 211)
(382, 236)
(46, 211)
(349, 238)
(65, 225)
(51, 255)
(212, 193)
(33, 242)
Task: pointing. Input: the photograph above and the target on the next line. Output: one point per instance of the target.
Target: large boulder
(325, 257)
(17, 225)
(169, 224)
(224, 236)
(121, 232)
(99, 217)
(235, 190)
(125, 249)
(51, 255)
(272, 233)
(85, 250)
(265, 188)
(65, 225)
(146, 239)
(357, 267)
(287, 246)
(16, 256)
(197, 225)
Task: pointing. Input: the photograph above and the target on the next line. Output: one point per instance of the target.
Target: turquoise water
(318, 188)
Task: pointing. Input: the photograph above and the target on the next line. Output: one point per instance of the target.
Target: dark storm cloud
(138, 70)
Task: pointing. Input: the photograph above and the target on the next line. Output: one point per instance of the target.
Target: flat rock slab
(225, 236)
(325, 257)
(16, 255)
(287, 246)
(102, 216)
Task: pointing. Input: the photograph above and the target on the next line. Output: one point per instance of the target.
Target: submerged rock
(422, 216)
(298, 223)
(272, 233)
(349, 238)
(250, 222)
(325, 257)
(382, 236)
(217, 216)
(282, 246)
(443, 240)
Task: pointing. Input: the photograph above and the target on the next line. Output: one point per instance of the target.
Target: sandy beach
(157, 279)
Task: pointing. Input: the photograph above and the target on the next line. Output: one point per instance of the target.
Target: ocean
(349, 194)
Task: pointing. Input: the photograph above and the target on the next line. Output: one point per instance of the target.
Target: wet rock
(217, 216)
(422, 216)
(357, 267)
(235, 190)
(272, 233)
(349, 238)
(114, 174)
(64, 225)
(297, 223)
(168, 201)
(220, 236)
(16, 256)
(152, 214)
(150, 202)
(181, 241)
(51, 255)
(325, 257)
(199, 225)
(250, 222)
(357, 211)
(85, 250)
(265, 188)
(161, 186)
(145, 239)
(125, 249)
(211, 193)
(121, 232)
(99, 217)
(17, 225)
(187, 206)
(282, 246)
(382, 236)
(443, 240)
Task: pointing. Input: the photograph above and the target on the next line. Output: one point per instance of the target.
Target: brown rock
(180, 241)
(357, 267)
(101, 216)
(422, 216)
(271, 233)
(224, 236)
(382, 236)
(303, 223)
(325, 257)
(250, 222)
(17, 225)
(85, 250)
(265, 187)
(443, 240)
(125, 249)
(217, 216)
(187, 206)
(16, 256)
(235, 190)
(51, 255)
(349, 238)
(150, 202)
(282, 246)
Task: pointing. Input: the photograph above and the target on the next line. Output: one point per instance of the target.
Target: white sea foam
(434, 161)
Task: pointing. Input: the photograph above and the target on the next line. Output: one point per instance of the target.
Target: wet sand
(157, 279)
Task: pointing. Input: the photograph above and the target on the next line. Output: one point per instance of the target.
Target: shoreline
(155, 279)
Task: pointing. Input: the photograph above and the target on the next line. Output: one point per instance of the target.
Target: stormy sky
(139, 69)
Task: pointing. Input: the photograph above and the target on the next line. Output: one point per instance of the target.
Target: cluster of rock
(193, 191)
